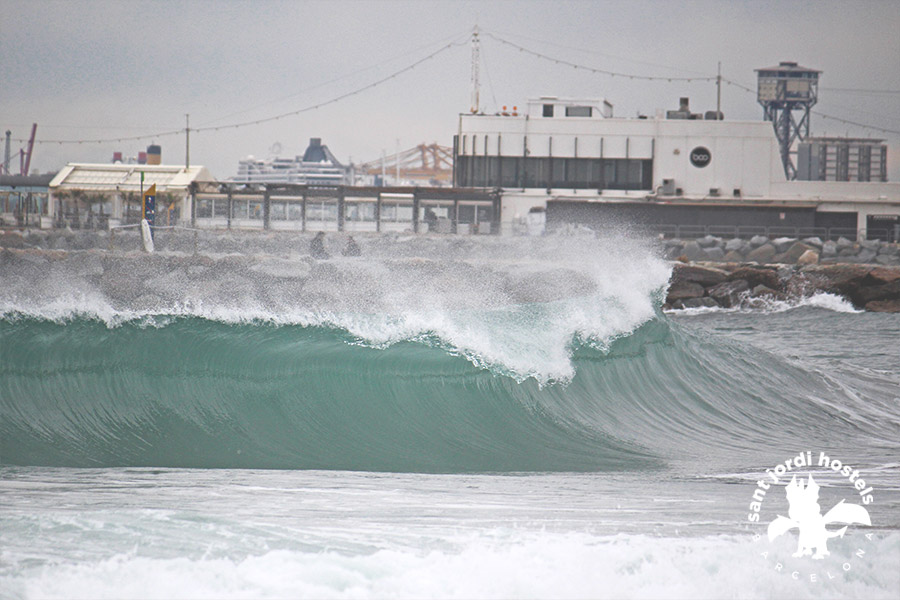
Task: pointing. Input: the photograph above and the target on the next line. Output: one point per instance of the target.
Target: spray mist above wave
(515, 304)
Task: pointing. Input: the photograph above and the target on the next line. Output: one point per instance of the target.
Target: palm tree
(130, 199)
(166, 201)
(91, 200)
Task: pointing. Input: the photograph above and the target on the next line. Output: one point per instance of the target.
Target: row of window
(546, 172)
(328, 211)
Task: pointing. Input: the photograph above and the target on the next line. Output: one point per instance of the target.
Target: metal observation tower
(784, 92)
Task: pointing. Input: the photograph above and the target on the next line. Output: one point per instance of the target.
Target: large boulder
(882, 275)
(810, 257)
(871, 244)
(733, 256)
(683, 290)
(866, 256)
(889, 306)
(758, 276)
(814, 241)
(709, 241)
(704, 302)
(843, 279)
(887, 291)
(783, 243)
(829, 249)
(758, 240)
(728, 293)
(736, 244)
(792, 254)
(705, 276)
(693, 252)
(763, 254)
(762, 291)
(715, 253)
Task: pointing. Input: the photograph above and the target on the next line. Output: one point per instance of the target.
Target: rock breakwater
(728, 285)
(784, 250)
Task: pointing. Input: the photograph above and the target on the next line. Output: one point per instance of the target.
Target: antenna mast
(476, 84)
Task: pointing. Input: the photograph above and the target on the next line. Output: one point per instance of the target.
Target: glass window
(295, 211)
(634, 175)
(466, 214)
(609, 173)
(559, 172)
(220, 208)
(239, 209)
(204, 208)
(579, 111)
(256, 209)
(509, 172)
(548, 110)
(317, 210)
(359, 211)
(537, 172)
(277, 211)
(479, 172)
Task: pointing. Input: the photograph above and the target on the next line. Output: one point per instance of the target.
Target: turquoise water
(491, 421)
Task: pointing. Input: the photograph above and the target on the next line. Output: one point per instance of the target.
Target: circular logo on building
(700, 157)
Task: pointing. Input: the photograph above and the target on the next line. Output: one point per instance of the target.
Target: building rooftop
(120, 177)
(788, 67)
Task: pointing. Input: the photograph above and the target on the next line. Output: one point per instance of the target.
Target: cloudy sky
(99, 70)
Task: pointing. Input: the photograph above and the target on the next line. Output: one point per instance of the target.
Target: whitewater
(443, 417)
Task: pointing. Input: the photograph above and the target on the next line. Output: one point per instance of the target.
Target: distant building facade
(572, 159)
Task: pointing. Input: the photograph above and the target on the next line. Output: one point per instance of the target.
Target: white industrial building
(573, 151)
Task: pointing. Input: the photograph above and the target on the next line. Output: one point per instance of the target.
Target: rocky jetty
(785, 250)
(870, 287)
(716, 272)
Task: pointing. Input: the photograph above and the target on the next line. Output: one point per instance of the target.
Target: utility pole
(719, 92)
(6, 156)
(187, 141)
(476, 83)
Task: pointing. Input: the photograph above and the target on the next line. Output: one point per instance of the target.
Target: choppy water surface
(500, 418)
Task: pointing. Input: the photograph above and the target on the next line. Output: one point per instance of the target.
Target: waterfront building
(104, 195)
(574, 160)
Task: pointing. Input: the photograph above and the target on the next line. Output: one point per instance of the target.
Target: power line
(264, 120)
(611, 56)
(859, 91)
(336, 99)
(560, 61)
(443, 41)
(821, 114)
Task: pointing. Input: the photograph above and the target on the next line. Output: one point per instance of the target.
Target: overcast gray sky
(87, 70)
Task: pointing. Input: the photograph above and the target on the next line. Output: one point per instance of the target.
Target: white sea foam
(823, 300)
(508, 303)
(544, 565)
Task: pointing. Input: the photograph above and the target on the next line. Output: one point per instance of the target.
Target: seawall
(714, 272)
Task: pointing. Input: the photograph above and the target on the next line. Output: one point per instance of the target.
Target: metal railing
(749, 231)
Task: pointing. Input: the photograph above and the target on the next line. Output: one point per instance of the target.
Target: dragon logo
(804, 514)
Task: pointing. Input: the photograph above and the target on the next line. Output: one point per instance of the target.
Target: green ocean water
(497, 419)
